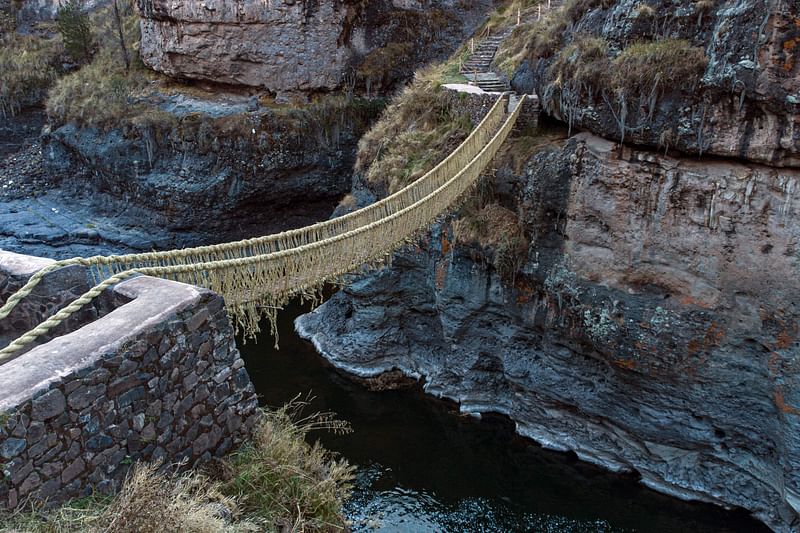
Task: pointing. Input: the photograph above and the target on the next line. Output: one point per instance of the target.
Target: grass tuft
(658, 66)
(496, 228)
(419, 128)
(153, 501)
(281, 479)
(275, 482)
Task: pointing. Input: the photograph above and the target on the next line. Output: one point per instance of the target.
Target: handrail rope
(251, 246)
(472, 170)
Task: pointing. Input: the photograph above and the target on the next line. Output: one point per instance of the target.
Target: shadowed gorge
(539, 258)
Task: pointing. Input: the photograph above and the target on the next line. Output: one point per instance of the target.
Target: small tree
(121, 34)
(75, 28)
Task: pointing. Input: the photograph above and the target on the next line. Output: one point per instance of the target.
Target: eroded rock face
(746, 104)
(214, 169)
(653, 327)
(288, 46)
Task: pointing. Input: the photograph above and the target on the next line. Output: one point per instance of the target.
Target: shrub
(102, 93)
(153, 501)
(74, 26)
(28, 66)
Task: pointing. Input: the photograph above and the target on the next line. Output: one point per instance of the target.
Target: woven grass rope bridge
(258, 276)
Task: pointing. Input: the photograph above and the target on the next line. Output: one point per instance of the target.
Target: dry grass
(102, 93)
(276, 482)
(283, 480)
(585, 62)
(99, 94)
(542, 38)
(419, 128)
(704, 6)
(8, 23)
(28, 66)
(150, 501)
(506, 15)
(410, 31)
(658, 66)
(153, 501)
(641, 69)
(514, 49)
(496, 229)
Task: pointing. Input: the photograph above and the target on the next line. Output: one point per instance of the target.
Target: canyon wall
(738, 97)
(634, 303)
(652, 326)
(289, 47)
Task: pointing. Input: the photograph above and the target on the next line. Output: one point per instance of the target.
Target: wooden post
(540, 11)
(472, 45)
(548, 4)
(519, 16)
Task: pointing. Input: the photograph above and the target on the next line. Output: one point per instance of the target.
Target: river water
(422, 467)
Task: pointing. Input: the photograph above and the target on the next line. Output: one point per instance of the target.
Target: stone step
(473, 70)
(482, 76)
(477, 62)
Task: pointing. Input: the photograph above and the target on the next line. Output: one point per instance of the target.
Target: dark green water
(423, 467)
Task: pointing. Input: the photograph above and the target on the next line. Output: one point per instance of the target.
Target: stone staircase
(477, 68)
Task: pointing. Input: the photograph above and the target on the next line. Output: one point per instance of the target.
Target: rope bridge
(258, 276)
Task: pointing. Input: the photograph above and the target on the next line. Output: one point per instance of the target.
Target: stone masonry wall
(52, 293)
(158, 378)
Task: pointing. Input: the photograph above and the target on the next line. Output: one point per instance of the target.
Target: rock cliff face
(288, 46)
(745, 103)
(215, 169)
(653, 325)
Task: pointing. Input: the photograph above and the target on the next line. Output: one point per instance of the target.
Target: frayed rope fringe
(257, 277)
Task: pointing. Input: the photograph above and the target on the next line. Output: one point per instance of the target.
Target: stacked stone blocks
(157, 379)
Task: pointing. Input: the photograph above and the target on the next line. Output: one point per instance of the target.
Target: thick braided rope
(288, 239)
(284, 274)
